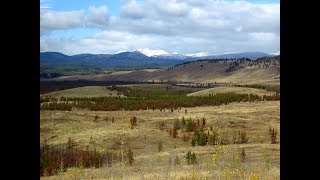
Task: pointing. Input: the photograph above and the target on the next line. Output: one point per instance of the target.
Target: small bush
(106, 119)
(112, 119)
(96, 117)
(273, 135)
(177, 124)
(160, 146)
(130, 157)
(203, 123)
(199, 138)
(213, 138)
(242, 156)
(161, 125)
(243, 137)
(183, 122)
(224, 140)
(133, 122)
(190, 125)
(191, 158)
(186, 137)
(174, 132)
(177, 161)
(240, 137)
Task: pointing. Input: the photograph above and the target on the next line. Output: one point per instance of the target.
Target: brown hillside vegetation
(87, 91)
(232, 89)
(256, 158)
(260, 71)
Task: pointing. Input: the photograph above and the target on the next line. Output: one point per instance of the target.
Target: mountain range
(142, 58)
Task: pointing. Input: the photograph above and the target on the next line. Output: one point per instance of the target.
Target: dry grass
(87, 91)
(200, 72)
(254, 118)
(232, 89)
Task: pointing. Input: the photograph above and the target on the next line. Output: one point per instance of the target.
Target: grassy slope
(255, 118)
(87, 91)
(225, 89)
(201, 72)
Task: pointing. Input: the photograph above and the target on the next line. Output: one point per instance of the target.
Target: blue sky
(191, 26)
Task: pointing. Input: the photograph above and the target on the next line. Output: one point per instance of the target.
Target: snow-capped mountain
(275, 54)
(149, 52)
(143, 58)
(199, 54)
(161, 54)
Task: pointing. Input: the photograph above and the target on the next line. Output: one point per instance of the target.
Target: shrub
(130, 157)
(199, 138)
(96, 117)
(190, 125)
(106, 119)
(133, 121)
(242, 156)
(160, 146)
(185, 137)
(183, 122)
(191, 158)
(161, 125)
(203, 122)
(112, 119)
(174, 132)
(243, 137)
(273, 135)
(240, 137)
(177, 161)
(213, 138)
(224, 138)
(177, 124)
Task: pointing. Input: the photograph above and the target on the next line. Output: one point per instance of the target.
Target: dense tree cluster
(54, 159)
(132, 104)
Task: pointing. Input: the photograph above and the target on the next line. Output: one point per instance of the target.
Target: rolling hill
(264, 70)
(135, 59)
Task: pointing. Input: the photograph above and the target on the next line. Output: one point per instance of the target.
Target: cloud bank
(172, 25)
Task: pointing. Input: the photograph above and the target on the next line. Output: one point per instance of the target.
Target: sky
(184, 26)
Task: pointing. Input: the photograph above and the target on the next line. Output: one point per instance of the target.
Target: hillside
(261, 71)
(54, 62)
(87, 91)
(150, 163)
(240, 90)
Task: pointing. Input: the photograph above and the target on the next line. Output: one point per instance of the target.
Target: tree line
(173, 102)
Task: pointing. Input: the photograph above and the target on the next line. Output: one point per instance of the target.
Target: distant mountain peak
(199, 54)
(148, 52)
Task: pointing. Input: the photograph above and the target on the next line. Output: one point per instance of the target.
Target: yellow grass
(87, 91)
(232, 89)
(255, 118)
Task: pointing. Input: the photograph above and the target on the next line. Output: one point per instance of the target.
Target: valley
(197, 120)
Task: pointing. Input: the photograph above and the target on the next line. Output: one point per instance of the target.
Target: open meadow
(238, 139)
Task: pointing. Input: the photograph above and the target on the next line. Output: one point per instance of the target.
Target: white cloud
(188, 27)
(50, 21)
(45, 4)
(97, 17)
(132, 9)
